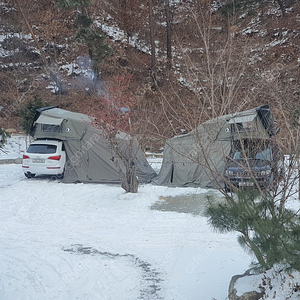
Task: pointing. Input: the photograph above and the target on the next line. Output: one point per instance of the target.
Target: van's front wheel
(227, 188)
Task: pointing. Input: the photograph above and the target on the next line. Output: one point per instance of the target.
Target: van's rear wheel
(61, 176)
(58, 176)
(29, 175)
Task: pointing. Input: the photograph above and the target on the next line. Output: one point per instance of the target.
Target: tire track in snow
(150, 278)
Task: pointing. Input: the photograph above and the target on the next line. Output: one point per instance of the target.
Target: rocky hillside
(221, 62)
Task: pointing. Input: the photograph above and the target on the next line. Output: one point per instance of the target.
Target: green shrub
(3, 137)
(27, 112)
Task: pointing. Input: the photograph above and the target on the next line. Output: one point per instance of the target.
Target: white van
(44, 157)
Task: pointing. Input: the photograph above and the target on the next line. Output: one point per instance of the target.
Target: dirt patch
(10, 161)
(194, 204)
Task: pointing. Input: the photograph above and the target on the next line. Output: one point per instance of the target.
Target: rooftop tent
(55, 123)
(89, 155)
(198, 158)
(257, 123)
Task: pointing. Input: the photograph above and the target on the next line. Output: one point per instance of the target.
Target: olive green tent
(89, 154)
(198, 158)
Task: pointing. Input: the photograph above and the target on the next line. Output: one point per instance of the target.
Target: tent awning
(242, 119)
(48, 120)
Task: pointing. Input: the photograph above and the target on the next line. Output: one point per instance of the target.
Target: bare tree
(130, 15)
(168, 14)
(42, 53)
(152, 45)
(281, 5)
(211, 74)
(113, 112)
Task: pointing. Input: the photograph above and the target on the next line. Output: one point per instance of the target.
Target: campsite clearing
(93, 241)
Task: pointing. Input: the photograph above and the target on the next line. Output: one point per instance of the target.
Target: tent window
(245, 126)
(51, 128)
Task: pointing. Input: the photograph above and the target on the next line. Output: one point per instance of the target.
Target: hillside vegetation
(187, 61)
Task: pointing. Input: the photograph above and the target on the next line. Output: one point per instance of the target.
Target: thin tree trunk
(52, 74)
(281, 5)
(32, 33)
(169, 34)
(152, 43)
(255, 250)
(129, 179)
(124, 12)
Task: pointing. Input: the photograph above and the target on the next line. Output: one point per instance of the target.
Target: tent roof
(242, 119)
(64, 114)
(48, 120)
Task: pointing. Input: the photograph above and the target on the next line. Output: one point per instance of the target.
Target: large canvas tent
(198, 158)
(89, 154)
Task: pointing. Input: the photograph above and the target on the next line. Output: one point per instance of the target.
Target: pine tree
(267, 230)
(3, 138)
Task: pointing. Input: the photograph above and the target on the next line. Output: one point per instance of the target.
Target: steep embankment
(216, 66)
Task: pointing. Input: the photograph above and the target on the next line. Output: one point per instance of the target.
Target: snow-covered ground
(77, 241)
(15, 147)
(93, 241)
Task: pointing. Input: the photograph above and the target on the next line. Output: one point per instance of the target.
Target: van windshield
(261, 155)
(42, 149)
(264, 155)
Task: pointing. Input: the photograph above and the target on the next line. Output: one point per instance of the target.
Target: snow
(47, 226)
(52, 87)
(116, 34)
(5, 36)
(277, 42)
(276, 284)
(15, 147)
(93, 241)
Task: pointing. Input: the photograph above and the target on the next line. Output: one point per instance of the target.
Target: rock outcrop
(251, 295)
